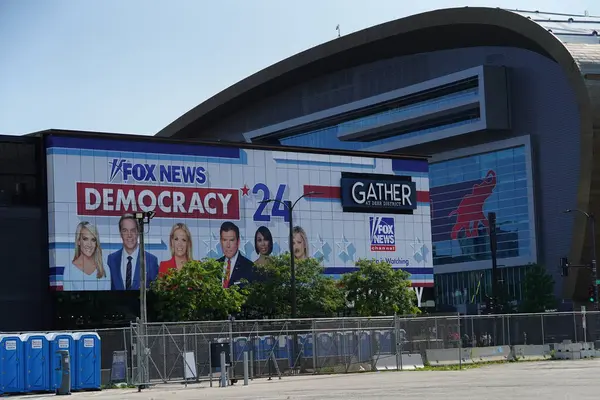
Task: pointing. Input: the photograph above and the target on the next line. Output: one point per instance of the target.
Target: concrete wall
(24, 293)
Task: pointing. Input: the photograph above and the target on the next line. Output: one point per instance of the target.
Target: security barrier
(333, 345)
(342, 345)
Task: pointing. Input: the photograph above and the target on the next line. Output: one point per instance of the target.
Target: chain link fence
(183, 352)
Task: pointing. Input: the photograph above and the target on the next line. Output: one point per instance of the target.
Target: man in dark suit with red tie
(235, 266)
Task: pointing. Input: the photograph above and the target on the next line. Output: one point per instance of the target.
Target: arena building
(508, 110)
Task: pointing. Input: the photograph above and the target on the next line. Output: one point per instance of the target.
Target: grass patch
(448, 367)
(466, 366)
(122, 385)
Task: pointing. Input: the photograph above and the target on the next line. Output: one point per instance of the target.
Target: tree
(504, 300)
(538, 290)
(195, 293)
(316, 294)
(377, 289)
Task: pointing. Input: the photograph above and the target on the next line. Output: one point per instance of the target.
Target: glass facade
(464, 190)
(328, 137)
(457, 290)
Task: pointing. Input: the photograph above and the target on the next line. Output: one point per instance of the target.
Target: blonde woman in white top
(86, 271)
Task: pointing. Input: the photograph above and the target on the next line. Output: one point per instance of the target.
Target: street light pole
(592, 220)
(290, 207)
(142, 219)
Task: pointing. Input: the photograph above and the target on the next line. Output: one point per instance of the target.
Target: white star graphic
(318, 244)
(347, 250)
(343, 245)
(211, 245)
(419, 250)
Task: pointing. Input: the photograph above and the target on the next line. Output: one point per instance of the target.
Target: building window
(468, 288)
(464, 190)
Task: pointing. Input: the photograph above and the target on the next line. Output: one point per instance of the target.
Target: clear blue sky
(134, 66)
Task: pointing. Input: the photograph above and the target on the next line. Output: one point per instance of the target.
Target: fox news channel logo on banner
(383, 237)
(376, 193)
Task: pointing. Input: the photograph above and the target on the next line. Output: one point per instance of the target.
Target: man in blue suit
(124, 263)
(235, 266)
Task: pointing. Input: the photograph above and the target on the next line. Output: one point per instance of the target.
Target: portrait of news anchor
(124, 264)
(263, 244)
(235, 265)
(86, 271)
(180, 243)
(300, 243)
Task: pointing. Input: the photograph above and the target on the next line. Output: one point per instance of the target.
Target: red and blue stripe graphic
(81, 146)
(56, 278)
(402, 166)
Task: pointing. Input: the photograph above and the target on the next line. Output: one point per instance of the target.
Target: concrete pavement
(548, 380)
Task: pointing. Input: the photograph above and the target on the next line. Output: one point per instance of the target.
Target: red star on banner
(245, 190)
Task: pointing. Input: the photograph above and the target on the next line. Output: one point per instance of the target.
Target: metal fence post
(396, 335)
(245, 367)
(584, 323)
(251, 341)
(575, 325)
(359, 340)
(314, 346)
(230, 371)
(543, 334)
(185, 363)
(139, 353)
(132, 351)
(223, 380)
(163, 337)
(126, 352)
(196, 358)
(459, 344)
(210, 366)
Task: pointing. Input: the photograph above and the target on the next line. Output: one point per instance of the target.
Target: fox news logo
(383, 234)
(146, 173)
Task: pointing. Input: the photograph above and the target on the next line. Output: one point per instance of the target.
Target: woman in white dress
(86, 272)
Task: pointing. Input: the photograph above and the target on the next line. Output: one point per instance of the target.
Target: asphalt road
(549, 380)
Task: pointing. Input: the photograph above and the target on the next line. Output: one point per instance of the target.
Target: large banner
(213, 201)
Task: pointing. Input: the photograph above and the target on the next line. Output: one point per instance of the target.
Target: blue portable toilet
(286, 351)
(304, 347)
(87, 361)
(284, 347)
(267, 344)
(349, 345)
(365, 346)
(12, 367)
(306, 344)
(387, 341)
(325, 344)
(36, 358)
(241, 344)
(255, 343)
(376, 338)
(383, 339)
(60, 341)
